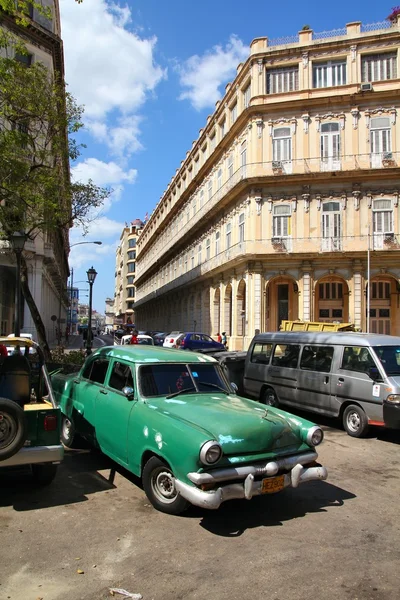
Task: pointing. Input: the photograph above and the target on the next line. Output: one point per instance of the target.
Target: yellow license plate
(272, 484)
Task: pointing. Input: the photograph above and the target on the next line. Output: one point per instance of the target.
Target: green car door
(113, 411)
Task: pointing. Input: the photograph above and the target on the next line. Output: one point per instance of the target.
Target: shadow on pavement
(234, 517)
(77, 477)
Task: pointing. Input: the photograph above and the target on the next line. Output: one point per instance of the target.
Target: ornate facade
(287, 205)
(47, 256)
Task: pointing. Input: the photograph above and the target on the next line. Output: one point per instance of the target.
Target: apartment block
(287, 204)
(47, 255)
(125, 273)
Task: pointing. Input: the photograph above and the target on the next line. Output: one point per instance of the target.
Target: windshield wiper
(191, 389)
(214, 385)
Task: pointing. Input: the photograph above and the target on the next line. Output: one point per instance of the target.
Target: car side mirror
(129, 392)
(234, 387)
(374, 374)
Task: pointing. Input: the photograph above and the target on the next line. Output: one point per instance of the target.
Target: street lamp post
(72, 283)
(91, 275)
(18, 239)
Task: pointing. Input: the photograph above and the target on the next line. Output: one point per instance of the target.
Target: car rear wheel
(355, 421)
(68, 435)
(13, 428)
(44, 474)
(269, 397)
(158, 483)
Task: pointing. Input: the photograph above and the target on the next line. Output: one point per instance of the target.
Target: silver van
(353, 376)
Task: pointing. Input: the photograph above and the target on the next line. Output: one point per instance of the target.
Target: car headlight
(315, 435)
(210, 453)
(393, 398)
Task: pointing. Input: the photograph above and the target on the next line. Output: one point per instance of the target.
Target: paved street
(325, 540)
(75, 342)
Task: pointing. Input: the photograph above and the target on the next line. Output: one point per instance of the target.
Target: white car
(170, 339)
(10, 349)
(143, 340)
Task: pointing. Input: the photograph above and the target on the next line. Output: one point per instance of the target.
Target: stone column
(358, 296)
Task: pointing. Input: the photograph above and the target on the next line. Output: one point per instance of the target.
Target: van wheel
(355, 421)
(269, 397)
(43, 474)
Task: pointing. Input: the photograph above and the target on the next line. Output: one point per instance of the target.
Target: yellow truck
(315, 326)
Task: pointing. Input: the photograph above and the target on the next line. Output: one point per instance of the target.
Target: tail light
(182, 344)
(50, 423)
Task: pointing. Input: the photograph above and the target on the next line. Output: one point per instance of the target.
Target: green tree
(37, 123)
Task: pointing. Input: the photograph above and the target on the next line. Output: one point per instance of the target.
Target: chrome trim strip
(267, 469)
(33, 455)
(234, 491)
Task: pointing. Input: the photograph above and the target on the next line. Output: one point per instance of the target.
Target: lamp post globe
(91, 275)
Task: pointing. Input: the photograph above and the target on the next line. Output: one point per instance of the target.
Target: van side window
(357, 359)
(261, 353)
(317, 358)
(286, 355)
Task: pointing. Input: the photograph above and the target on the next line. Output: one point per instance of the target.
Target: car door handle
(326, 379)
(76, 380)
(341, 380)
(103, 392)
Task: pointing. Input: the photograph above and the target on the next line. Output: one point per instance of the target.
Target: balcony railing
(271, 247)
(289, 169)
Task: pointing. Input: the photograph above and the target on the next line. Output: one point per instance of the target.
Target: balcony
(260, 171)
(268, 248)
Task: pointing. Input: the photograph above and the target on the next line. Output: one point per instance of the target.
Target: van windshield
(389, 357)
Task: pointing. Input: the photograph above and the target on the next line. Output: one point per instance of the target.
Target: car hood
(239, 425)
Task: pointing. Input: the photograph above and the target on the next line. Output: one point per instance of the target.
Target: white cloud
(102, 173)
(202, 76)
(122, 139)
(109, 69)
(101, 229)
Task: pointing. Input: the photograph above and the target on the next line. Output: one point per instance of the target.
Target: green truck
(30, 419)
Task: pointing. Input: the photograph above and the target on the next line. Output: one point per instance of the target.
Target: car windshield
(165, 379)
(389, 357)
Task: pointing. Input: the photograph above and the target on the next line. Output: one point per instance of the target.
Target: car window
(164, 379)
(286, 355)
(121, 376)
(357, 359)
(261, 353)
(206, 338)
(389, 357)
(316, 358)
(96, 370)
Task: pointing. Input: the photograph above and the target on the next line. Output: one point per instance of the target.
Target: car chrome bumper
(247, 488)
(34, 455)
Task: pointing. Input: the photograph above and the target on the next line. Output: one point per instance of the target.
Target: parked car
(143, 340)
(30, 419)
(27, 336)
(198, 341)
(159, 338)
(170, 339)
(175, 421)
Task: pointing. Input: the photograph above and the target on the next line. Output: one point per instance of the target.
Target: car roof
(151, 354)
(347, 338)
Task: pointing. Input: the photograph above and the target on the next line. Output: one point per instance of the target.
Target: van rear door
(282, 374)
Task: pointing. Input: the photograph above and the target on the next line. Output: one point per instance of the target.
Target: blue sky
(148, 73)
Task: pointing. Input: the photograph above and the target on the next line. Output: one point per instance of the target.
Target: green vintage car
(173, 419)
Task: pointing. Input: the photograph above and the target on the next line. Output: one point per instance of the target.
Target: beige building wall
(292, 183)
(125, 274)
(46, 256)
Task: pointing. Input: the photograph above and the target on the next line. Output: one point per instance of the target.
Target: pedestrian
(219, 338)
(3, 350)
(134, 338)
(224, 340)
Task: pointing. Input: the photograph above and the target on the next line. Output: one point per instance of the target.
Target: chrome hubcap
(163, 486)
(67, 428)
(8, 429)
(353, 421)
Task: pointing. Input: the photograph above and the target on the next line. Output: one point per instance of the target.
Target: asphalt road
(76, 342)
(325, 540)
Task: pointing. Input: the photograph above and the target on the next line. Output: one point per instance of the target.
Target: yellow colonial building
(287, 204)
